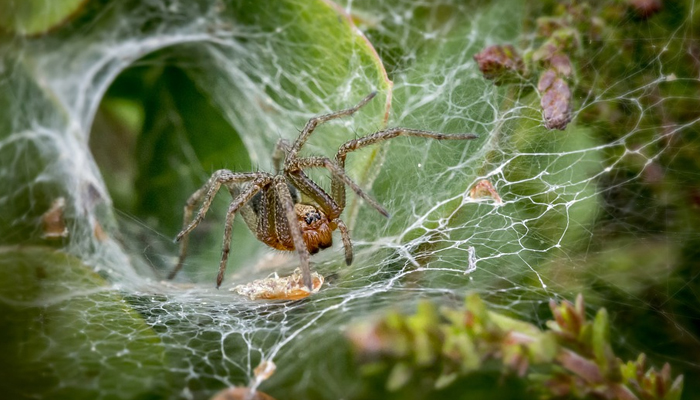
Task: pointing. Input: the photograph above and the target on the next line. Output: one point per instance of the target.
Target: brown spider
(271, 203)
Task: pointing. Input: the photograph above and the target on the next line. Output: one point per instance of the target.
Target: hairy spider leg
(285, 198)
(208, 190)
(345, 235)
(316, 121)
(243, 198)
(338, 173)
(278, 155)
(338, 185)
(310, 188)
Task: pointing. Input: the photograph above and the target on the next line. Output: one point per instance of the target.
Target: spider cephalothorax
(315, 226)
(271, 204)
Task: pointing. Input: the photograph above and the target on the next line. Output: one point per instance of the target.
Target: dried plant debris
(280, 287)
(485, 190)
(54, 223)
(99, 232)
(573, 359)
(264, 370)
(241, 393)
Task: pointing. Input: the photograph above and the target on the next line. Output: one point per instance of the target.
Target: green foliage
(31, 17)
(573, 359)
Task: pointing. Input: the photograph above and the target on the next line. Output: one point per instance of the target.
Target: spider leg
(338, 173)
(208, 190)
(280, 152)
(285, 198)
(387, 134)
(345, 235)
(304, 184)
(219, 177)
(316, 121)
(237, 203)
(338, 187)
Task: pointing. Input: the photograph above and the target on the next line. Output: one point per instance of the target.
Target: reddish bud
(556, 100)
(561, 64)
(499, 63)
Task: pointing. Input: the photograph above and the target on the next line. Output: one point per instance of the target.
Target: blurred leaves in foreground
(66, 334)
(572, 359)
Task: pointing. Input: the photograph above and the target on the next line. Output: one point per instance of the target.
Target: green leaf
(460, 348)
(676, 389)
(31, 17)
(399, 376)
(445, 380)
(600, 341)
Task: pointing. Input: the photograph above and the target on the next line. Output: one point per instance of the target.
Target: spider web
(564, 194)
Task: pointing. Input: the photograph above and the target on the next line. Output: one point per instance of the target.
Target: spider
(271, 204)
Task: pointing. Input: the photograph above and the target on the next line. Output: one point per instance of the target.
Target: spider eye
(312, 217)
